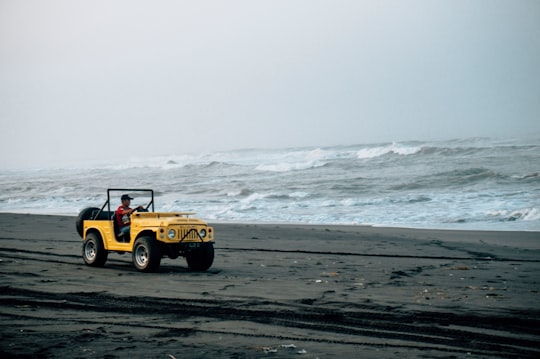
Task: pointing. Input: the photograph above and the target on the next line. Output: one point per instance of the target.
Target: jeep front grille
(188, 234)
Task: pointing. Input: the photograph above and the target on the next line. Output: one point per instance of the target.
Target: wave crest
(526, 214)
(393, 148)
(289, 166)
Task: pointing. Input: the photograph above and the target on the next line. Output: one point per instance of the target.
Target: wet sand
(274, 291)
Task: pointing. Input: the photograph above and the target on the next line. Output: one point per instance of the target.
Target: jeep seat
(118, 235)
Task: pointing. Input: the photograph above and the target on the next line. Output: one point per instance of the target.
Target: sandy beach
(274, 291)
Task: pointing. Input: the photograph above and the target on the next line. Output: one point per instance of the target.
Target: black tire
(85, 214)
(146, 254)
(202, 258)
(93, 251)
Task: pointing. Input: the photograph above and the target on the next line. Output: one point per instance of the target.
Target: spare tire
(85, 214)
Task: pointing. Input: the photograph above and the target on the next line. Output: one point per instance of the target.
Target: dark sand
(274, 291)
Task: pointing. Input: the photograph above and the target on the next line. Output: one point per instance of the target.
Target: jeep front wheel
(146, 254)
(201, 259)
(93, 251)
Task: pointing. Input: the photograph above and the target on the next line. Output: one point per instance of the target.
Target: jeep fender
(98, 233)
(146, 233)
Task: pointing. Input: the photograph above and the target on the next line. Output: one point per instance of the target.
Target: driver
(123, 214)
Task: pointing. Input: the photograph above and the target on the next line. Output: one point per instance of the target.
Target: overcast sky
(88, 79)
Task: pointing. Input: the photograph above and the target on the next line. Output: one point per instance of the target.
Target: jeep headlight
(202, 233)
(171, 234)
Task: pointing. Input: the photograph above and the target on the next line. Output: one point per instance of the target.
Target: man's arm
(130, 210)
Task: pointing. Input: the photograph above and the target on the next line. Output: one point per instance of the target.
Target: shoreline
(300, 224)
(274, 289)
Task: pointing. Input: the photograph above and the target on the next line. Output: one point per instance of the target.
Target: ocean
(475, 183)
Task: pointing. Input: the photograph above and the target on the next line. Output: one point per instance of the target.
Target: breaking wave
(393, 148)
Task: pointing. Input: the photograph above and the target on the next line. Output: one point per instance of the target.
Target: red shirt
(122, 219)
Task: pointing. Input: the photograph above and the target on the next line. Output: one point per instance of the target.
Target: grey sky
(84, 79)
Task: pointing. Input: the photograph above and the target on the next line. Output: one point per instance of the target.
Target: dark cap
(126, 196)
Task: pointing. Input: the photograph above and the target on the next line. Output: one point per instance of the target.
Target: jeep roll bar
(125, 190)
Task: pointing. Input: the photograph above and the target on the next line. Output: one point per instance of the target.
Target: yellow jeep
(152, 236)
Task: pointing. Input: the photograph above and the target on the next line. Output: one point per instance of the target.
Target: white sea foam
(525, 214)
(372, 152)
(288, 166)
(299, 194)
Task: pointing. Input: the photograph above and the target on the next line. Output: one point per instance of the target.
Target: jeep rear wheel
(93, 251)
(146, 254)
(201, 259)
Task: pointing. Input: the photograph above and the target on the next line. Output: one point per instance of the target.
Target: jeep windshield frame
(148, 192)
